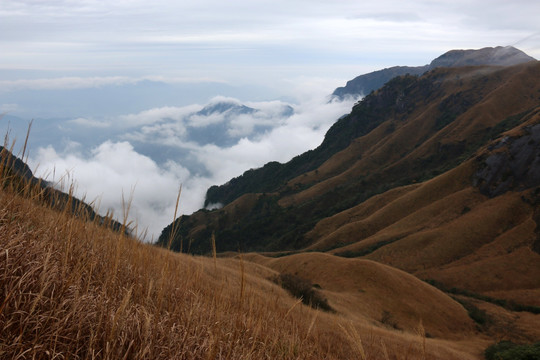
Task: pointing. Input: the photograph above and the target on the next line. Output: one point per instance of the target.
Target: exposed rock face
(499, 56)
(513, 165)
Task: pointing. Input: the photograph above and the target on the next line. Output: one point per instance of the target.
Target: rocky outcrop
(513, 164)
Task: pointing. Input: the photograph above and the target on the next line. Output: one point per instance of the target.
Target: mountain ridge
(404, 186)
(396, 112)
(502, 56)
(418, 224)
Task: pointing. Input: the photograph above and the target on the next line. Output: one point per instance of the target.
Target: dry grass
(70, 289)
(444, 229)
(363, 290)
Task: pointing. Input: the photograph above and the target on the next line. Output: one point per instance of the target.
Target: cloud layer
(78, 82)
(153, 154)
(253, 41)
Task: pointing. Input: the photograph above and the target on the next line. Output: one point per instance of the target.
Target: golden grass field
(71, 289)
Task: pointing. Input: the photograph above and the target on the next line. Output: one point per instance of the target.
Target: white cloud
(255, 41)
(92, 123)
(303, 131)
(199, 121)
(113, 168)
(157, 114)
(172, 125)
(8, 108)
(243, 125)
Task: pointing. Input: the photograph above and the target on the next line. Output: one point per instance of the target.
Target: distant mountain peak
(225, 106)
(500, 55)
(497, 56)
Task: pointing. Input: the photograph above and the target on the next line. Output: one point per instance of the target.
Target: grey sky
(251, 41)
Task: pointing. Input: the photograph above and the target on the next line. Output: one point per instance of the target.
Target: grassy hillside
(407, 132)
(381, 290)
(70, 288)
(73, 289)
(443, 184)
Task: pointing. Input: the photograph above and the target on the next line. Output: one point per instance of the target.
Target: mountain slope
(382, 289)
(73, 289)
(439, 179)
(408, 131)
(364, 84)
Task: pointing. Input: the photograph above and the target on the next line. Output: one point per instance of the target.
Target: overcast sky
(250, 41)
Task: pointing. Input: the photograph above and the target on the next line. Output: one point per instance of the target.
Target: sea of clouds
(145, 157)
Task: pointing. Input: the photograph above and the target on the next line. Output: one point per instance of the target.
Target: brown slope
(411, 129)
(447, 230)
(365, 290)
(387, 210)
(73, 289)
(456, 238)
(480, 97)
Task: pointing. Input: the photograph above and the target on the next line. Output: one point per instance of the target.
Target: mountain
(220, 122)
(221, 107)
(434, 175)
(503, 56)
(364, 84)
(500, 56)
